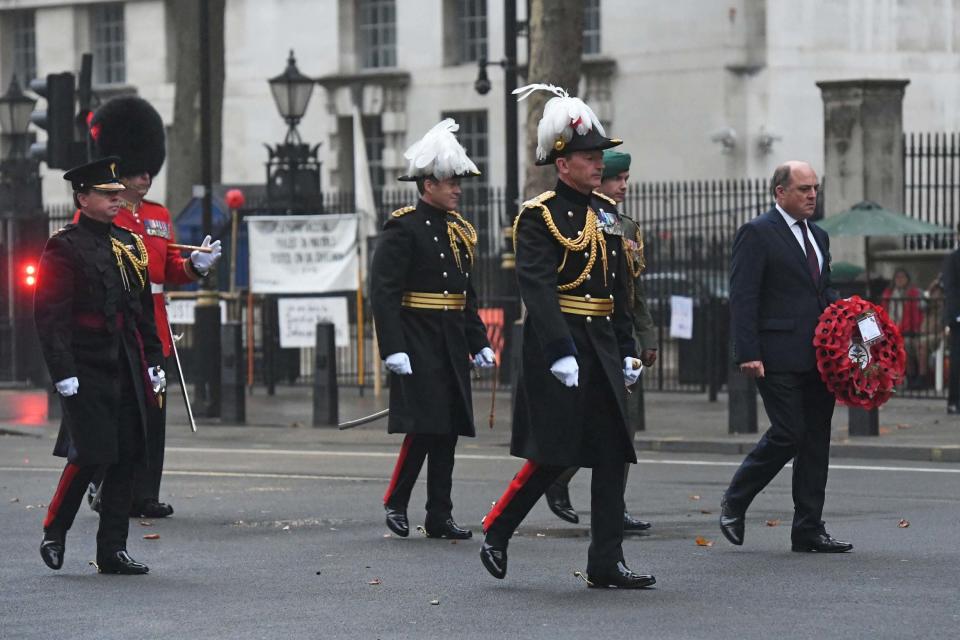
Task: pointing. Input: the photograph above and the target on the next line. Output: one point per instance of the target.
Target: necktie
(812, 263)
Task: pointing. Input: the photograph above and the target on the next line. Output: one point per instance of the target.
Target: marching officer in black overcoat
(428, 328)
(578, 350)
(94, 317)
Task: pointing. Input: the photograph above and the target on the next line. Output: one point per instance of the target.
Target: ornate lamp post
(15, 110)
(293, 170)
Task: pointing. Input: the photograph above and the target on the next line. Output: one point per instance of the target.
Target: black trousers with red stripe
(438, 451)
(117, 484)
(606, 509)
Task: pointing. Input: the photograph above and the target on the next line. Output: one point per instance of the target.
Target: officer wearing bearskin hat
(129, 127)
(425, 310)
(578, 352)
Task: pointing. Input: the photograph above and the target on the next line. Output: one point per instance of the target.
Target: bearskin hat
(129, 127)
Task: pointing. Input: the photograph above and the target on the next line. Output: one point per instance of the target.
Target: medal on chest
(609, 223)
(157, 228)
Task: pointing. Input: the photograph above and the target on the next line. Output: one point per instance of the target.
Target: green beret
(615, 163)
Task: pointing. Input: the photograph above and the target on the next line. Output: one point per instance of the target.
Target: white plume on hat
(439, 154)
(561, 116)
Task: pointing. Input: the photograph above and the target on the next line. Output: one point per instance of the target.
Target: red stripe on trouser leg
(66, 479)
(398, 469)
(515, 485)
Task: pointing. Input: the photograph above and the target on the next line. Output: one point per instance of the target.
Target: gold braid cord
(139, 265)
(589, 239)
(636, 263)
(460, 231)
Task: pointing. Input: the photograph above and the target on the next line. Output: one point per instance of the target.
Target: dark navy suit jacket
(775, 304)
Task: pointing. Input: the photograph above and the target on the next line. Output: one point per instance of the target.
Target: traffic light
(58, 150)
(29, 274)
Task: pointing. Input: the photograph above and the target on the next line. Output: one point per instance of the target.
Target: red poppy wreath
(859, 373)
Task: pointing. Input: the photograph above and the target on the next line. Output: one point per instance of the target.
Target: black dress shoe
(151, 509)
(120, 562)
(558, 499)
(447, 529)
(619, 577)
(397, 522)
(821, 543)
(52, 550)
(731, 523)
(631, 524)
(494, 560)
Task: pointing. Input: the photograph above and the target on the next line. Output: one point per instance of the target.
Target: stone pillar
(863, 160)
(862, 151)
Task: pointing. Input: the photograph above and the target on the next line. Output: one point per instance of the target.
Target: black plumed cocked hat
(129, 127)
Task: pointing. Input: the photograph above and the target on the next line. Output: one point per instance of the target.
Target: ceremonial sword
(350, 424)
(183, 383)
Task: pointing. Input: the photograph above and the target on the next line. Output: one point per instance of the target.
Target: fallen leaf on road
(14, 499)
(386, 535)
(703, 542)
(376, 581)
(904, 426)
(581, 576)
(286, 528)
(29, 506)
(541, 535)
(152, 536)
(147, 523)
(773, 523)
(694, 497)
(706, 511)
(434, 601)
(903, 524)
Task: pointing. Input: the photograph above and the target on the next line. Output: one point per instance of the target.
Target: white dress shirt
(797, 231)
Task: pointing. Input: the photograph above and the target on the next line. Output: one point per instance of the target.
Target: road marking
(477, 456)
(228, 474)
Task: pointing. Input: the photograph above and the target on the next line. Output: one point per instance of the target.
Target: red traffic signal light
(29, 274)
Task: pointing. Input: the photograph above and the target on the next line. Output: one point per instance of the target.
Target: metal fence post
(325, 407)
(863, 422)
(233, 409)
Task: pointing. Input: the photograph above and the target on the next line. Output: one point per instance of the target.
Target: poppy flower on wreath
(858, 374)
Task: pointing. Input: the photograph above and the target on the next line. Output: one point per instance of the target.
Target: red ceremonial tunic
(151, 221)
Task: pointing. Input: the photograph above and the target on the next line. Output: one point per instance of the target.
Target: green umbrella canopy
(870, 219)
(844, 272)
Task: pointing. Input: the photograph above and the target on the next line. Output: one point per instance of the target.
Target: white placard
(869, 328)
(185, 311)
(303, 254)
(681, 317)
(299, 318)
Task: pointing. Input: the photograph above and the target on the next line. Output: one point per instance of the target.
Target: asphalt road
(279, 536)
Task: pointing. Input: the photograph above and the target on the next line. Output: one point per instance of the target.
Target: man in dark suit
(951, 321)
(779, 286)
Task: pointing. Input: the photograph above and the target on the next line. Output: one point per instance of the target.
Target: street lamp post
(293, 170)
(24, 229)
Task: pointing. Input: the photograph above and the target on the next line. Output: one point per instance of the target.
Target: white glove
(567, 371)
(158, 378)
(485, 359)
(631, 375)
(202, 262)
(399, 363)
(68, 387)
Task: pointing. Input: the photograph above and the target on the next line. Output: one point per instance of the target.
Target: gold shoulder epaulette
(604, 196)
(64, 229)
(402, 212)
(539, 200)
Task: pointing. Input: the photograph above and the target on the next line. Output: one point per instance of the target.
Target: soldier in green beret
(616, 173)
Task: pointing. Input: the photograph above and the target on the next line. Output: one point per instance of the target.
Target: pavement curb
(14, 430)
(948, 453)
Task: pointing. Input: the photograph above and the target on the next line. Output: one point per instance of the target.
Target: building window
(591, 26)
(108, 42)
(375, 142)
(377, 31)
(473, 136)
(24, 36)
(471, 30)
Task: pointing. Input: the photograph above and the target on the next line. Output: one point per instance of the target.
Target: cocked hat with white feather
(567, 125)
(438, 154)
